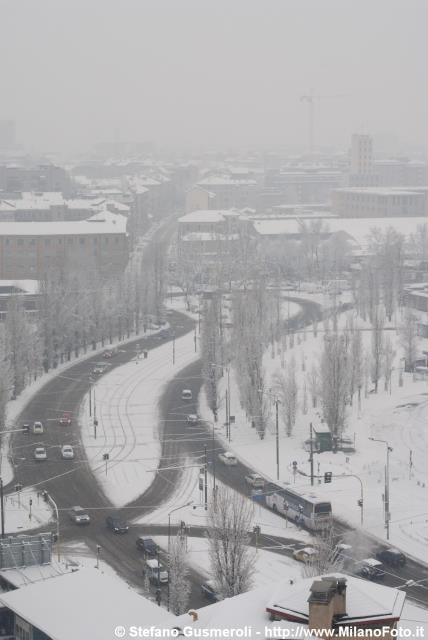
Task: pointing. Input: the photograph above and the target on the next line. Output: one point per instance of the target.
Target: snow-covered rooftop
(208, 215)
(358, 228)
(86, 604)
(225, 181)
(26, 286)
(105, 225)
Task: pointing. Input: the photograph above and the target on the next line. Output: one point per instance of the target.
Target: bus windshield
(323, 509)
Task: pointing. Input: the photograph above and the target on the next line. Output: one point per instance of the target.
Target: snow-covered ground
(128, 420)
(398, 417)
(20, 515)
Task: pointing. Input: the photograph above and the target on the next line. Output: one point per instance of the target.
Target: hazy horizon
(195, 73)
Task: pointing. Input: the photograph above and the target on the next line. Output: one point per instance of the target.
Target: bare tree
(232, 561)
(314, 384)
(179, 583)
(409, 339)
(325, 558)
(334, 373)
(378, 325)
(389, 354)
(286, 387)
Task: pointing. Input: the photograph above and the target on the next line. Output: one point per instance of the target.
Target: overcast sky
(230, 72)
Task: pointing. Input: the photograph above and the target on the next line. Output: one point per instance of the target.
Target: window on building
(47, 241)
(70, 240)
(59, 240)
(82, 240)
(116, 240)
(95, 240)
(32, 241)
(20, 242)
(106, 240)
(7, 241)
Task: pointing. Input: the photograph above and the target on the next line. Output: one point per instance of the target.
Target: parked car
(38, 427)
(147, 545)
(305, 555)
(110, 353)
(192, 418)
(393, 557)
(156, 572)
(65, 418)
(40, 453)
(99, 368)
(186, 394)
(67, 452)
(371, 569)
(228, 458)
(79, 515)
(255, 481)
(116, 524)
(208, 591)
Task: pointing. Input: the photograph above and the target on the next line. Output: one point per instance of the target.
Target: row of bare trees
(77, 310)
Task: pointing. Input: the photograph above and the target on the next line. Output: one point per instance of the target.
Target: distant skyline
(227, 73)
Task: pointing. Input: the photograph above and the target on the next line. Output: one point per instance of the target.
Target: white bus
(300, 507)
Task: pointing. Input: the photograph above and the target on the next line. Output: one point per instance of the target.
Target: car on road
(228, 458)
(40, 453)
(186, 394)
(255, 481)
(391, 556)
(99, 368)
(307, 554)
(163, 334)
(371, 569)
(67, 452)
(65, 418)
(156, 572)
(79, 516)
(147, 545)
(169, 312)
(209, 592)
(38, 427)
(117, 525)
(192, 418)
(26, 428)
(110, 353)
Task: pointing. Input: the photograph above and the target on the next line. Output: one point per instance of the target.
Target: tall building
(361, 172)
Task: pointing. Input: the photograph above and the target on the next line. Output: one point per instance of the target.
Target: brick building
(29, 250)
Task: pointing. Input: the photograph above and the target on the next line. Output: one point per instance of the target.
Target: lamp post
(169, 538)
(386, 497)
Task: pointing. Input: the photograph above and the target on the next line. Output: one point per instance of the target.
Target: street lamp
(386, 497)
(50, 499)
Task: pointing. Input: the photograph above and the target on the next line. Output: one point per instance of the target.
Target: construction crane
(310, 99)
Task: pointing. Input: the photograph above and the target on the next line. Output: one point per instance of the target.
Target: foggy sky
(230, 72)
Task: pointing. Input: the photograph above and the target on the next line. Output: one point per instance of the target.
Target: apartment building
(379, 202)
(29, 250)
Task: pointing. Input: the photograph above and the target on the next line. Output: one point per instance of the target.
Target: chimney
(327, 600)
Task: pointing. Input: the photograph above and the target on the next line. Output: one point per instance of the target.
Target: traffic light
(328, 476)
(360, 502)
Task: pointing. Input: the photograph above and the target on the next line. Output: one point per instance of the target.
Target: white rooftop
(106, 225)
(209, 215)
(84, 604)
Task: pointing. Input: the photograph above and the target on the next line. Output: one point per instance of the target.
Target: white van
(186, 394)
(156, 572)
(228, 458)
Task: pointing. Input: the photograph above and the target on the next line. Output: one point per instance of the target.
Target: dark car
(393, 557)
(147, 545)
(26, 428)
(163, 334)
(110, 353)
(99, 368)
(208, 591)
(116, 524)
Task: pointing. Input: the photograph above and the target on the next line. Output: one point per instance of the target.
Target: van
(156, 572)
(186, 394)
